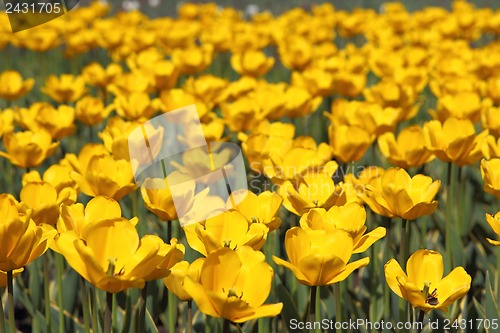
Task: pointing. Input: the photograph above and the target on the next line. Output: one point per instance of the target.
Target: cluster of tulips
(372, 139)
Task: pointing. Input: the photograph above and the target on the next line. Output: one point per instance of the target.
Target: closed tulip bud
(490, 171)
(319, 257)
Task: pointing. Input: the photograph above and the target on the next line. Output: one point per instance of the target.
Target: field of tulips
(370, 149)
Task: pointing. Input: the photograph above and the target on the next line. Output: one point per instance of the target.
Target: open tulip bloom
(423, 284)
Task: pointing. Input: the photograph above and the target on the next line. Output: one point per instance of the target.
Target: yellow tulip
(12, 85)
(317, 81)
(299, 102)
(209, 89)
(304, 154)
(81, 162)
(119, 142)
(265, 140)
(319, 257)
(463, 105)
(6, 121)
(388, 93)
(351, 217)
(313, 188)
(494, 222)
(408, 150)
(228, 229)
(193, 59)
(43, 116)
(158, 199)
(174, 99)
(349, 143)
(454, 141)
(136, 106)
(58, 177)
(295, 52)
(396, 194)
(99, 76)
(44, 201)
(234, 285)
(66, 88)
(106, 176)
(491, 147)
(28, 149)
(133, 82)
(22, 240)
(262, 208)
(76, 218)
(91, 111)
(423, 286)
(113, 258)
(175, 281)
(252, 63)
(490, 171)
(490, 120)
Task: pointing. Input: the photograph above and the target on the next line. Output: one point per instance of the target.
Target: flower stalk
(10, 291)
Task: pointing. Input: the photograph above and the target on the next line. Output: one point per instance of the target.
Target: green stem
(172, 309)
(141, 321)
(190, 317)
(10, 290)
(338, 301)
(421, 320)
(107, 313)
(225, 326)
(95, 310)
(312, 304)
(2, 317)
(46, 288)
(60, 296)
(85, 306)
(403, 244)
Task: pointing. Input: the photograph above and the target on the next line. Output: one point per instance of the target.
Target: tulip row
(340, 200)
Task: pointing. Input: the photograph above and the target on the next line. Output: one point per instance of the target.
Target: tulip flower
(22, 240)
(407, 150)
(113, 258)
(423, 284)
(132, 82)
(12, 85)
(91, 111)
(490, 120)
(66, 88)
(491, 147)
(349, 143)
(158, 199)
(234, 285)
(76, 218)
(262, 208)
(80, 163)
(319, 257)
(28, 149)
(228, 229)
(313, 188)
(175, 281)
(295, 52)
(99, 76)
(490, 172)
(454, 141)
(136, 106)
(43, 116)
(494, 222)
(209, 89)
(462, 105)
(193, 59)
(304, 154)
(399, 195)
(6, 121)
(106, 176)
(351, 217)
(251, 63)
(265, 140)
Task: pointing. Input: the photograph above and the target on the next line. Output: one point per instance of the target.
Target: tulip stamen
(430, 298)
